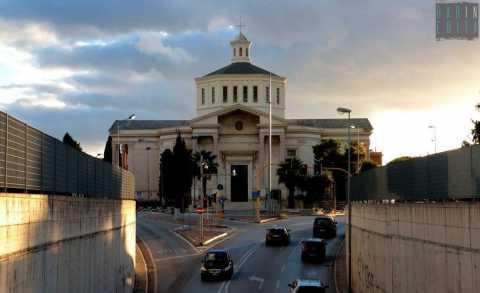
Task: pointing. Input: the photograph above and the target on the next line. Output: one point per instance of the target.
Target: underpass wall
(66, 244)
(416, 247)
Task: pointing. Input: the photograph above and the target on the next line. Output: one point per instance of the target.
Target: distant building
(457, 20)
(376, 157)
(233, 122)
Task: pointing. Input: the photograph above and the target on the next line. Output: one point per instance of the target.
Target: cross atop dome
(240, 46)
(240, 25)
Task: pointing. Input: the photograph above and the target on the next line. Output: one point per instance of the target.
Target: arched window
(234, 52)
(240, 51)
(246, 52)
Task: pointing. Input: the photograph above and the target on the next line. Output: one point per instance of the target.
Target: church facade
(232, 121)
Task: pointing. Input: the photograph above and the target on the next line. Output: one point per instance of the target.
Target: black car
(325, 227)
(313, 250)
(277, 235)
(216, 264)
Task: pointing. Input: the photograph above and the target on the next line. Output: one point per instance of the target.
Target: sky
(78, 65)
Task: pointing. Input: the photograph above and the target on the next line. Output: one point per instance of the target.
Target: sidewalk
(340, 270)
(140, 272)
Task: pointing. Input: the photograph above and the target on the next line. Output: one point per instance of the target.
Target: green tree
(400, 159)
(331, 154)
(68, 139)
(314, 187)
(181, 173)
(367, 165)
(107, 152)
(165, 181)
(207, 161)
(291, 173)
(476, 132)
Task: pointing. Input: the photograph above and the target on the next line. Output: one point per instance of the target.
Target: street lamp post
(358, 147)
(131, 117)
(349, 203)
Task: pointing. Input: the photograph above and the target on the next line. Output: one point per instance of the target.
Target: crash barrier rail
(32, 161)
(452, 175)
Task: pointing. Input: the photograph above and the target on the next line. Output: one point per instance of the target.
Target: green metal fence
(33, 161)
(451, 175)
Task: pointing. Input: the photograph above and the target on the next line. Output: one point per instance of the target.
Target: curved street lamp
(342, 110)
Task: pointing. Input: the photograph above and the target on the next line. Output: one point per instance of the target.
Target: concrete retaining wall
(66, 244)
(420, 247)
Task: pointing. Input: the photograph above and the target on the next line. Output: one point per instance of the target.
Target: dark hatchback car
(325, 227)
(314, 250)
(277, 235)
(216, 264)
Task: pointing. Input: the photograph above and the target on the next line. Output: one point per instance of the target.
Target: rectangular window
(267, 94)
(449, 14)
(245, 94)
(278, 96)
(458, 27)
(291, 153)
(225, 94)
(255, 94)
(213, 95)
(449, 26)
(235, 94)
(458, 11)
(203, 96)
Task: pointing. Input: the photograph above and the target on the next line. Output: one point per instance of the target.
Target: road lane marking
(243, 259)
(283, 268)
(259, 280)
(277, 285)
(236, 268)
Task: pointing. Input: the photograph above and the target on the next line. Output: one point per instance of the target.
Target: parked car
(307, 286)
(313, 250)
(217, 264)
(277, 235)
(324, 227)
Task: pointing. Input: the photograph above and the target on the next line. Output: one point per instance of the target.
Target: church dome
(241, 68)
(241, 82)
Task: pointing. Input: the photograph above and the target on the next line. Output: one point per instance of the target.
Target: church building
(232, 121)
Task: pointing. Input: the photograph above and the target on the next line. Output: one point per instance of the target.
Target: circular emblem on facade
(238, 125)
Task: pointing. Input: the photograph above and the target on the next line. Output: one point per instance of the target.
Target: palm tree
(207, 161)
(291, 173)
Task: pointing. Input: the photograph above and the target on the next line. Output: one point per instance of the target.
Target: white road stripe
(277, 285)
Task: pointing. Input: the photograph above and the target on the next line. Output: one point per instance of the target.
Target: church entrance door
(239, 191)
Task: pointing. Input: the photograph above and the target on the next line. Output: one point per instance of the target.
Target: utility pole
(270, 144)
(349, 203)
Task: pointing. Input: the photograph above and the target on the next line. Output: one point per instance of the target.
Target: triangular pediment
(213, 116)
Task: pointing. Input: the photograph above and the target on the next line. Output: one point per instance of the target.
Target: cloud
(374, 56)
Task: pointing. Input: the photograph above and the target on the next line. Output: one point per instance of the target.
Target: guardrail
(452, 175)
(33, 161)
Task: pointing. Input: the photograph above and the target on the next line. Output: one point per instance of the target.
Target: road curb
(268, 220)
(208, 241)
(149, 264)
(145, 285)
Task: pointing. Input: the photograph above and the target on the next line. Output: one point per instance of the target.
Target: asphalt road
(258, 268)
